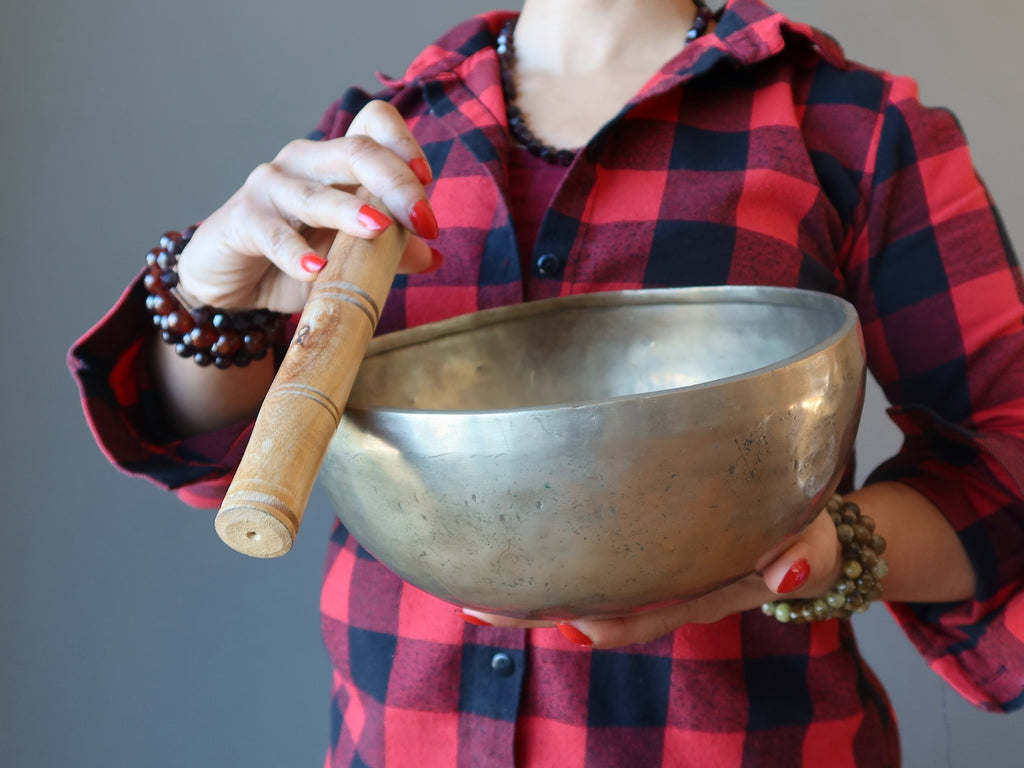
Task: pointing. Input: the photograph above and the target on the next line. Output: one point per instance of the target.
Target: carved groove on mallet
(353, 294)
(263, 502)
(304, 390)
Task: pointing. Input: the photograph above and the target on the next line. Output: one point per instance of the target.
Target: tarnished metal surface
(597, 454)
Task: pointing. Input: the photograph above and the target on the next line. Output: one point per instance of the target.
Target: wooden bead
(227, 344)
(202, 336)
(208, 335)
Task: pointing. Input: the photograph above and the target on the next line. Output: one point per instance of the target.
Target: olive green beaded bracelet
(863, 570)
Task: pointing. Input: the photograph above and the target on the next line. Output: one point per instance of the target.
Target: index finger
(382, 122)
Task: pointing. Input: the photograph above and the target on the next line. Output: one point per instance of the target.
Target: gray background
(129, 635)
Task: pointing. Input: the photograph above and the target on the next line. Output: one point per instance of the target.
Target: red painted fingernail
(795, 576)
(373, 219)
(436, 260)
(312, 262)
(471, 619)
(423, 221)
(574, 635)
(422, 170)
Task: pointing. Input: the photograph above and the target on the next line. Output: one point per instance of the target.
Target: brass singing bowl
(598, 454)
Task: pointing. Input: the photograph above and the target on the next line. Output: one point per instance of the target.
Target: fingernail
(436, 260)
(471, 619)
(795, 576)
(574, 635)
(423, 221)
(312, 262)
(422, 170)
(373, 219)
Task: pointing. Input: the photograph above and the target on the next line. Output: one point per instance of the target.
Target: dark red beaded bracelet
(206, 334)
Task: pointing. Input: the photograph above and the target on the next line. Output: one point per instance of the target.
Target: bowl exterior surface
(606, 507)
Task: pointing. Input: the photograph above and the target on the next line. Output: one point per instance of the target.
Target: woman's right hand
(266, 244)
(264, 247)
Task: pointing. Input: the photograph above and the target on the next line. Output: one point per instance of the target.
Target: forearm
(199, 399)
(927, 561)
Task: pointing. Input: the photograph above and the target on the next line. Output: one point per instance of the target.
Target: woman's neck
(578, 62)
(584, 37)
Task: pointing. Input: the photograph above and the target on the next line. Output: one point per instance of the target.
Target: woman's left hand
(808, 566)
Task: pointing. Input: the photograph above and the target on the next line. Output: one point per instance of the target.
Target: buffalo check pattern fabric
(758, 155)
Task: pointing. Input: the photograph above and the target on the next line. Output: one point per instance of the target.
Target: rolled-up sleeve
(110, 364)
(939, 292)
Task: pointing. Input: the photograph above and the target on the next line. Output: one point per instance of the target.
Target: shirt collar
(456, 52)
(748, 31)
(459, 75)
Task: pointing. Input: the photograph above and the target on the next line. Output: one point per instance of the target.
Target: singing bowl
(598, 454)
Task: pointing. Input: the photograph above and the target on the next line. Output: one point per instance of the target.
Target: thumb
(419, 257)
(810, 565)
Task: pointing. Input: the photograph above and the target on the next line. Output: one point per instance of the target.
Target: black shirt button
(502, 664)
(549, 265)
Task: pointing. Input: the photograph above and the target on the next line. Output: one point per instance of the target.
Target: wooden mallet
(264, 505)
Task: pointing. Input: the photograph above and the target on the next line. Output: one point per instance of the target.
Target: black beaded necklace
(517, 120)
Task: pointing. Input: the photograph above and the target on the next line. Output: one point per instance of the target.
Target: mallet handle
(263, 508)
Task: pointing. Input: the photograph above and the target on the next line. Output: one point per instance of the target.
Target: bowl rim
(722, 294)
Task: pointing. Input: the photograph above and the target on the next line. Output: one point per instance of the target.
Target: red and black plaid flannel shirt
(758, 155)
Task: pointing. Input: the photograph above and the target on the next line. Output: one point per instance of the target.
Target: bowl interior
(599, 348)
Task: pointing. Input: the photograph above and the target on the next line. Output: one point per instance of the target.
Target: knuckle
(290, 150)
(359, 147)
(309, 192)
(261, 175)
(378, 108)
(398, 180)
(278, 237)
(373, 107)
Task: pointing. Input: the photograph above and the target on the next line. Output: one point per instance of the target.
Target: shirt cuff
(976, 645)
(111, 365)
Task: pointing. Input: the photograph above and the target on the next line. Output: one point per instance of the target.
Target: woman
(741, 148)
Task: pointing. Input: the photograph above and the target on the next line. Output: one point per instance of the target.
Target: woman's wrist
(924, 559)
(197, 400)
(212, 367)
(207, 335)
(927, 560)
